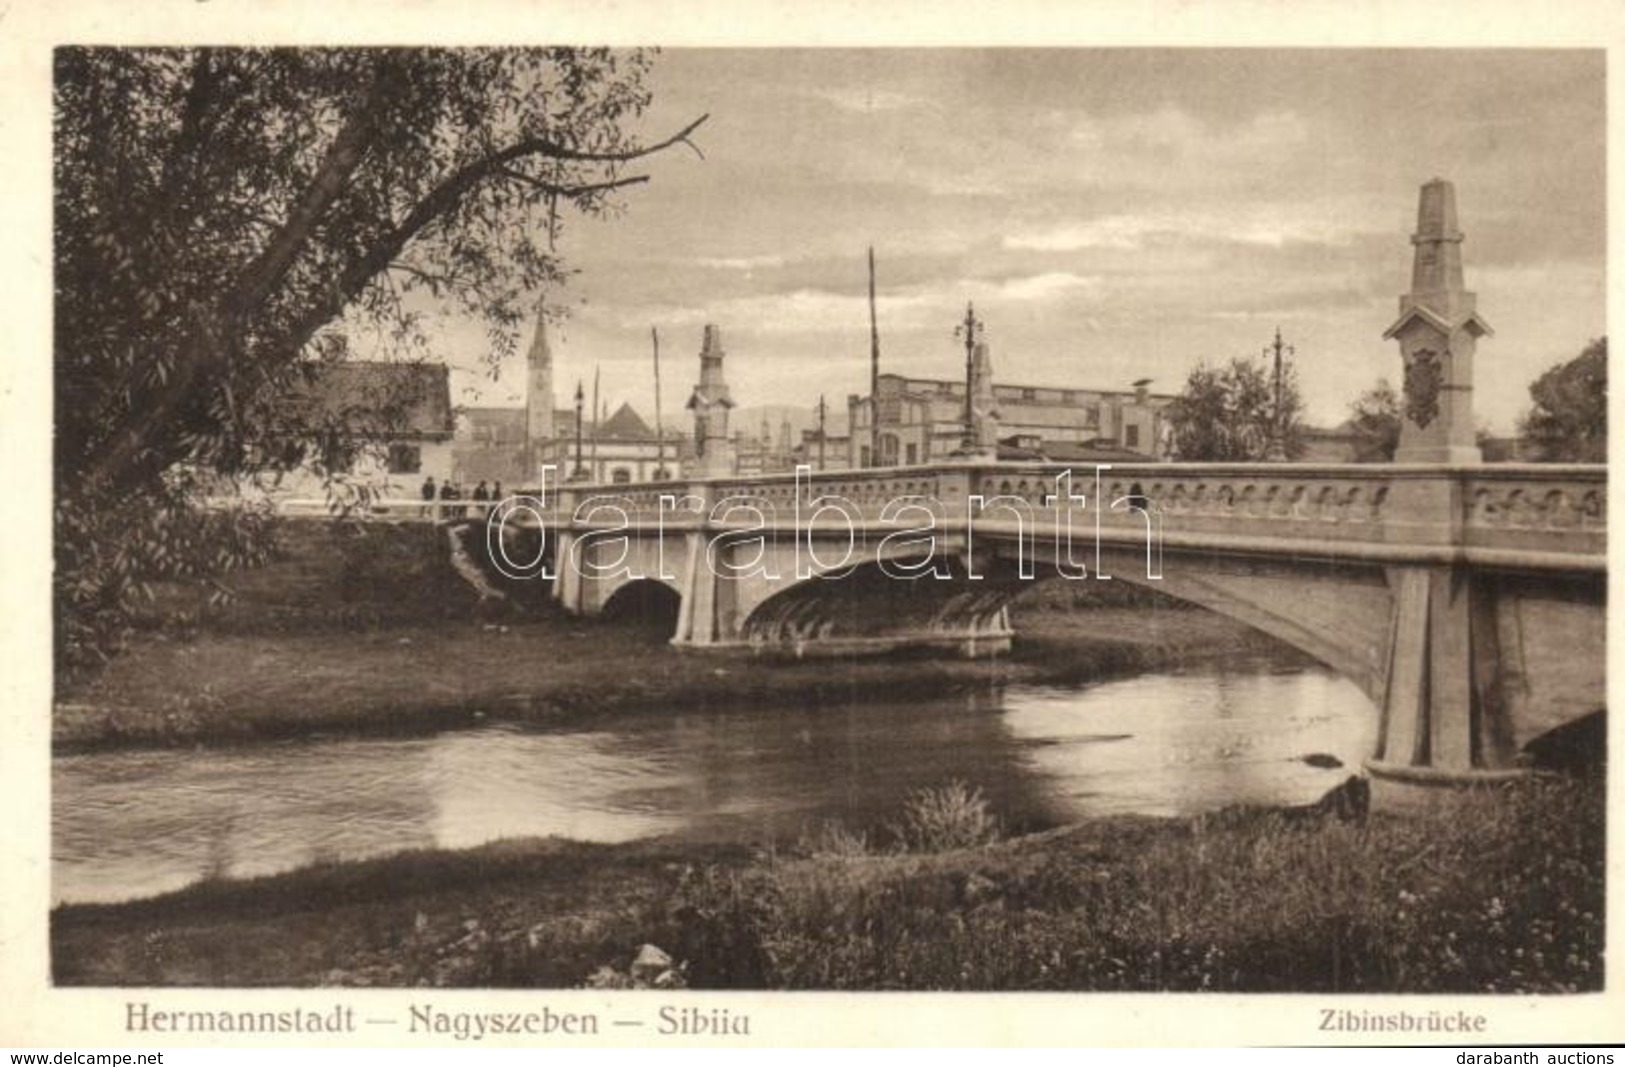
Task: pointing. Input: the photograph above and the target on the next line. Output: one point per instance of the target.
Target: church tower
(539, 423)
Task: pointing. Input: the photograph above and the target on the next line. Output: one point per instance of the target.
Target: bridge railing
(1550, 508)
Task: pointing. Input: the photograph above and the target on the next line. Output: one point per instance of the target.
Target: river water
(137, 823)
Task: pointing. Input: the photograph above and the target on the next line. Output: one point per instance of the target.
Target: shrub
(947, 817)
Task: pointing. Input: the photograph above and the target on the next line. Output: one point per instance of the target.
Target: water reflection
(130, 824)
(1176, 745)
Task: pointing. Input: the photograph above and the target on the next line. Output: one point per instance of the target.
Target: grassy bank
(1505, 895)
(371, 631)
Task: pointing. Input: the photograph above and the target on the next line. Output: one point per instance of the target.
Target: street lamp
(971, 331)
(580, 471)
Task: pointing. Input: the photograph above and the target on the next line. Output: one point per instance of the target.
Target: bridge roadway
(1467, 601)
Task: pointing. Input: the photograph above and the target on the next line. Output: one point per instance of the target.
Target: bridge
(1466, 601)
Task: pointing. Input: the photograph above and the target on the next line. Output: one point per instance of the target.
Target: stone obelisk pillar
(984, 407)
(710, 403)
(1437, 329)
(1443, 715)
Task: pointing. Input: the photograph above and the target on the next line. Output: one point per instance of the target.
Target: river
(136, 823)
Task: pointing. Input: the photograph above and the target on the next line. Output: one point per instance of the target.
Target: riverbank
(1504, 895)
(401, 648)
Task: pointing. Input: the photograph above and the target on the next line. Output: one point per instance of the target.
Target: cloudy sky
(1113, 215)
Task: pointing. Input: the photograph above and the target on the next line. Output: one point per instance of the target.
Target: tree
(1228, 413)
(1568, 421)
(1375, 417)
(215, 209)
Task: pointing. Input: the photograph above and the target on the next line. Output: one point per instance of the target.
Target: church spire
(539, 423)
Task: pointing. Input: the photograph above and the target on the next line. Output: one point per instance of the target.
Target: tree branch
(541, 146)
(570, 190)
(442, 199)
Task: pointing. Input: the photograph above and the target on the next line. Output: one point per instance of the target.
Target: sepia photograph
(637, 522)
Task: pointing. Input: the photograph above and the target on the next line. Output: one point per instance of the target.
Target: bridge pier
(1444, 721)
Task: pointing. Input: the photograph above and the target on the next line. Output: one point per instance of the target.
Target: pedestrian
(481, 495)
(428, 495)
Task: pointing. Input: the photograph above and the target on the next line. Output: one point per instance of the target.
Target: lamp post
(1277, 445)
(971, 331)
(580, 471)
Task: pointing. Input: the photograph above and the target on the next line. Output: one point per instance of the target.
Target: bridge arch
(1340, 617)
(651, 603)
(1336, 614)
(864, 603)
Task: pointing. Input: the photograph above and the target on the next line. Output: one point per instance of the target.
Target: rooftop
(370, 398)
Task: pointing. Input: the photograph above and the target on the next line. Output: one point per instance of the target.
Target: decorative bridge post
(1441, 710)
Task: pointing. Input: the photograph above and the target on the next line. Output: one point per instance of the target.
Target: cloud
(740, 262)
(1171, 131)
(869, 99)
(814, 310)
(1045, 286)
(1273, 227)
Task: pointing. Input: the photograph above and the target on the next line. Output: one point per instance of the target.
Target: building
(1337, 444)
(387, 426)
(922, 420)
(512, 445)
(830, 453)
(622, 448)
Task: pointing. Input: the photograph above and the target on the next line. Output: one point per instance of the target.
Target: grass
(1504, 895)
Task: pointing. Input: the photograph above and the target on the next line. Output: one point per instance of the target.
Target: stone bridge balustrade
(1541, 507)
(1530, 510)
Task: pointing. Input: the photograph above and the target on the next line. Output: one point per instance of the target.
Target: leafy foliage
(217, 209)
(948, 817)
(1228, 412)
(1568, 421)
(1375, 416)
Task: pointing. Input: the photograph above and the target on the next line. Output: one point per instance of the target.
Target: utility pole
(1277, 444)
(971, 331)
(874, 374)
(596, 373)
(580, 471)
(822, 411)
(660, 433)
